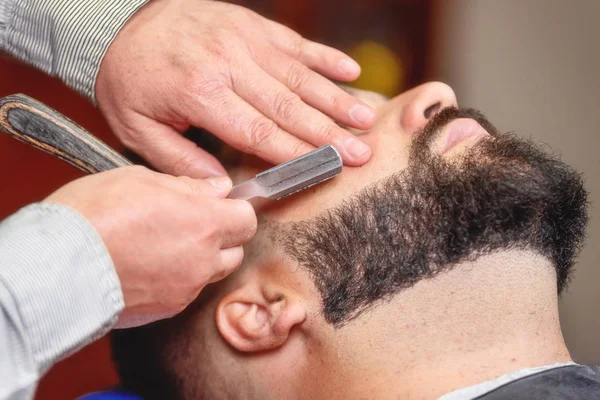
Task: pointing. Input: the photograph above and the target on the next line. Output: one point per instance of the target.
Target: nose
(425, 101)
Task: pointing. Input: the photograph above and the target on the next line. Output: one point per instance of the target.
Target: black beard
(504, 193)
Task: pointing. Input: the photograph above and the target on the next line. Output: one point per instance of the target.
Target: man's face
(323, 258)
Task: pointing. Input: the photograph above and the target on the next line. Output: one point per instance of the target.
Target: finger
(240, 125)
(231, 259)
(319, 92)
(217, 186)
(170, 152)
(318, 57)
(278, 103)
(237, 222)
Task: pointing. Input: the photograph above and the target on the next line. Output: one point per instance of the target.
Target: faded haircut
(504, 193)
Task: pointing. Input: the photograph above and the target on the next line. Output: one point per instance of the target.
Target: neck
(480, 320)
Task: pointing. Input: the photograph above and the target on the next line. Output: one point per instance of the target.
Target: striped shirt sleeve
(64, 38)
(58, 292)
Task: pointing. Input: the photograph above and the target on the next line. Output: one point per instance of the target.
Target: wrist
(121, 44)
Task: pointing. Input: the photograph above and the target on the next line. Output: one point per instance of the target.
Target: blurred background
(532, 66)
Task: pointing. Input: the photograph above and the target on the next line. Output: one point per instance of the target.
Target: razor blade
(291, 177)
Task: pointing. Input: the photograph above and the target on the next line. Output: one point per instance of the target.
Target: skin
(260, 334)
(256, 84)
(136, 231)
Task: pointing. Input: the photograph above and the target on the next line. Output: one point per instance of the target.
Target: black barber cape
(569, 382)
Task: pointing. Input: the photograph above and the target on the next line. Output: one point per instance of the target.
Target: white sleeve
(58, 292)
(64, 38)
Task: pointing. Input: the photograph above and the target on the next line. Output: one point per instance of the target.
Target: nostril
(431, 110)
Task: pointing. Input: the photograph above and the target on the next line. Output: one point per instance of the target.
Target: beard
(502, 193)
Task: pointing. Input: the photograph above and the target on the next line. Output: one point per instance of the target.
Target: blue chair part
(110, 395)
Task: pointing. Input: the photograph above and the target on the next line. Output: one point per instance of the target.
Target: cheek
(387, 160)
(390, 148)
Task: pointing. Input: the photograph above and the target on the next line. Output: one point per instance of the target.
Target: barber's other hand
(218, 66)
(168, 237)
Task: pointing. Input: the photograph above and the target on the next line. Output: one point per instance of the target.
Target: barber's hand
(168, 237)
(248, 80)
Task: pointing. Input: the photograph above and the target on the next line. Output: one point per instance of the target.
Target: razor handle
(46, 129)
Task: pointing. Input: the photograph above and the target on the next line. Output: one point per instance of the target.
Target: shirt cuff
(65, 38)
(61, 278)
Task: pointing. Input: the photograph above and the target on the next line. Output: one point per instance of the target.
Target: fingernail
(356, 148)
(221, 182)
(213, 171)
(349, 66)
(363, 114)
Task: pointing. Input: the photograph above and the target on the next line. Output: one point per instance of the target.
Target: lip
(460, 131)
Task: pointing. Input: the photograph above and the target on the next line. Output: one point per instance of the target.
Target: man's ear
(250, 321)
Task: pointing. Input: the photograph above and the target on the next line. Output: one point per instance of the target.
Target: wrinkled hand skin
(168, 236)
(254, 83)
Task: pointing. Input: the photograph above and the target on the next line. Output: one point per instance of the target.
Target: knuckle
(188, 299)
(233, 260)
(248, 216)
(137, 170)
(129, 141)
(183, 164)
(261, 130)
(211, 232)
(200, 281)
(299, 149)
(130, 138)
(181, 303)
(140, 176)
(240, 13)
(238, 260)
(234, 266)
(286, 105)
(205, 88)
(220, 274)
(326, 133)
(297, 77)
(252, 229)
(216, 47)
(226, 270)
(192, 186)
(336, 103)
(297, 45)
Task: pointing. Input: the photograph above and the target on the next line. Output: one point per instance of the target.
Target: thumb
(168, 151)
(216, 186)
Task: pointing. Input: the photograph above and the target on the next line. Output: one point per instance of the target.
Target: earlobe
(249, 322)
